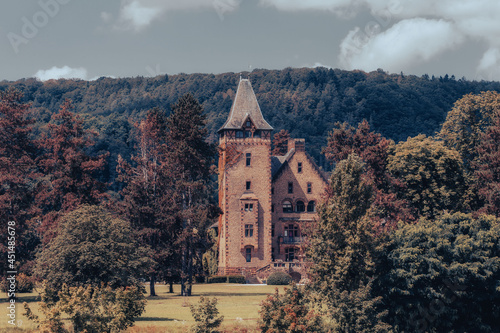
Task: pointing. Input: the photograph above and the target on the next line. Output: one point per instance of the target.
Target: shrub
(236, 279)
(217, 279)
(90, 308)
(205, 315)
(279, 279)
(24, 284)
(288, 313)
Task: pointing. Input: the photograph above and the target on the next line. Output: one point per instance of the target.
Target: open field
(170, 312)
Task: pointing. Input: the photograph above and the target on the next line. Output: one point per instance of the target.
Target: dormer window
(248, 123)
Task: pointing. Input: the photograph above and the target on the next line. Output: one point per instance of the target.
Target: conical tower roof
(245, 106)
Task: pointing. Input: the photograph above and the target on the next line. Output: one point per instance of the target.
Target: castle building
(268, 202)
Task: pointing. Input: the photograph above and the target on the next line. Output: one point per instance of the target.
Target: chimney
(297, 144)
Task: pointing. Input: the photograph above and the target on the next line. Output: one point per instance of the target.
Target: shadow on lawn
(155, 319)
(21, 299)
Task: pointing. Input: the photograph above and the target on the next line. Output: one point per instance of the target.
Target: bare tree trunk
(152, 281)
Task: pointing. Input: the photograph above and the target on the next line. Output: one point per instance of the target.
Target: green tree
(343, 252)
(90, 308)
(91, 247)
(374, 150)
(206, 316)
(433, 175)
(290, 312)
(466, 122)
(190, 164)
(147, 197)
(442, 275)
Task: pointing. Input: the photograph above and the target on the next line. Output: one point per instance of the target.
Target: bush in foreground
(206, 316)
(279, 279)
(288, 313)
(90, 308)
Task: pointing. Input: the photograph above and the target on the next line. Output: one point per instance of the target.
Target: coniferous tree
(342, 251)
(191, 160)
(18, 176)
(147, 197)
(70, 173)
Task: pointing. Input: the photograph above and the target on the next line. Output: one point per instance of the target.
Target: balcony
(293, 240)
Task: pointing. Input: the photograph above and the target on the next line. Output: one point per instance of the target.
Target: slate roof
(245, 105)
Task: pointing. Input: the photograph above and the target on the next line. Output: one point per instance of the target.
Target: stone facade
(267, 201)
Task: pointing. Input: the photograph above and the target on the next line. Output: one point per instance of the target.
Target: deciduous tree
(433, 175)
(280, 143)
(442, 275)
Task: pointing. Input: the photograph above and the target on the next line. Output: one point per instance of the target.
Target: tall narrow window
(248, 185)
(289, 254)
(248, 158)
(272, 230)
(309, 187)
(290, 187)
(299, 167)
(248, 230)
(248, 254)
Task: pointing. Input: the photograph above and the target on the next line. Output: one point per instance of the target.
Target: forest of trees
(112, 182)
(306, 102)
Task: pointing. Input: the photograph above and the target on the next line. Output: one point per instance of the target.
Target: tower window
(248, 158)
(311, 207)
(309, 187)
(248, 185)
(287, 207)
(299, 167)
(272, 230)
(248, 207)
(248, 124)
(248, 230)
(239, 134)
(248, 254)
(272, 208)
(272, 190)
(290, 187)
(300, 207)
(248, 134)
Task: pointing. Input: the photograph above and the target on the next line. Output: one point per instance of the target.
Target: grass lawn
(239, 304)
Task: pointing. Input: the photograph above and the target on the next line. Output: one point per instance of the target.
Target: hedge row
(226, 279)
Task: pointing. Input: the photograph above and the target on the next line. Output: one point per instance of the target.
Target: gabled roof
(278, 163)
(245, 106)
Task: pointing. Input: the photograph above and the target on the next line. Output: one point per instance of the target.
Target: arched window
(287, 207)
(311, 206)
(300, 207)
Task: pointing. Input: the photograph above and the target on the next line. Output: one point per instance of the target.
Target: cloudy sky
(92, 38)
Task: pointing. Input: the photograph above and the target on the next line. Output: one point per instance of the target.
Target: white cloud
(138, 14)
(489, 65)
(462, 20)
(296, 5)
(64, 72)
(406, 43)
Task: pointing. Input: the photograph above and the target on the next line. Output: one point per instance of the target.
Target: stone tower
(244, 186)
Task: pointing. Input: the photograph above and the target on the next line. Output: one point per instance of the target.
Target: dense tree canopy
(443, 275)
(467, 121)
(433, 175)
(91, 247)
